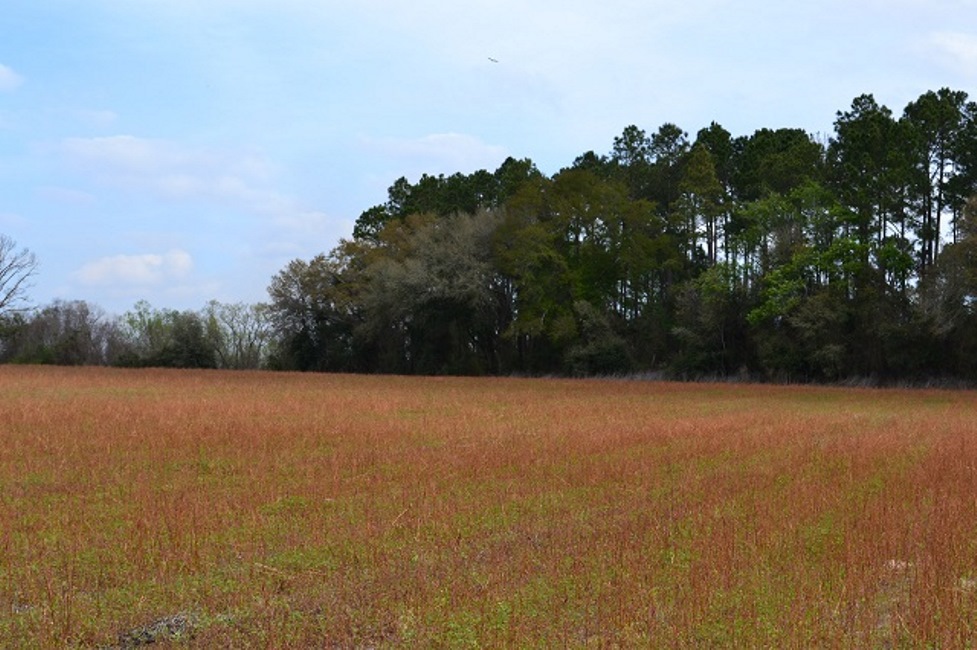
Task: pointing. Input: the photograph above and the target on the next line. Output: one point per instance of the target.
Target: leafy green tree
(710, 326)
(765, 234)
(802, 329)
(649, 257)
(934, 125)
(580, 238)
(869, 171)
(438, 289)
(604, 167)
(164, 338)
(529, 250)
(963, 185)
(821, 330)
(668, 148)
(701, 206)
(146, 332)
(774, 253)
(948, 299)
(371, 221)
(314, 313)
(512, 175)
(444, 196)
(804, 267)
(872, 172)
(773, 161)
(719, 142)
(599, 349)
(187, 345)
(632, 155)
(586, 212)
(64, 333)
(239, 333)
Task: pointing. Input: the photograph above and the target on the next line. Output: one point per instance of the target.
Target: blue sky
(179, 151)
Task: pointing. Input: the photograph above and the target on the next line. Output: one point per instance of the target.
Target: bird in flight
(493, 60)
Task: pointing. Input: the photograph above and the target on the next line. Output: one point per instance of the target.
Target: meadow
(249, 509)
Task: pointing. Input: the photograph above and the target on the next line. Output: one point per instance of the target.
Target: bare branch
(17, 268)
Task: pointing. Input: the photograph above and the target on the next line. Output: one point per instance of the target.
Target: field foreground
(208, 509)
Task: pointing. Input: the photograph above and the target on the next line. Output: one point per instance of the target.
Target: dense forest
(775, 255)
(781, 255)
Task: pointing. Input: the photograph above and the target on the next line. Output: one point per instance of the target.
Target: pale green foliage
(450, 261)
(240, 333)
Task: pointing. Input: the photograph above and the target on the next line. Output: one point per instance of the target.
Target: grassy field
(208, 509)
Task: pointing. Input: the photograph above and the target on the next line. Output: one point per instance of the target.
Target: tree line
(234, 336)
(781, 255)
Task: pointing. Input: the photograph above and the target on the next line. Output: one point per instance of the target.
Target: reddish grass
(286, 510)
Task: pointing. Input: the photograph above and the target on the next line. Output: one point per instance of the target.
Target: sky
(182, 151)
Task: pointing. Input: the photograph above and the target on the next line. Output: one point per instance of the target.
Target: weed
(290, 510)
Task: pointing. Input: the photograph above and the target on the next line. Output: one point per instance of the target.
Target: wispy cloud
(958, 49)
(440, 152)
(66, 195)
(145, 269)
(11, 219)
(240, 180)
(285, 119)
(177, 172)
(9, 80)
(145, 158)
(95, 117)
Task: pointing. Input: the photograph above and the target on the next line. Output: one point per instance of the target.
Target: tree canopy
(779, 255)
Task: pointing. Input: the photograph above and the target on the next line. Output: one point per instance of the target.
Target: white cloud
(9, 80)
(147, 269)
(127, 155)
(957, 49)
(240, 180)
(94, 117)
(440, 152)
(11, 220)
(174, 171)
(66, 195)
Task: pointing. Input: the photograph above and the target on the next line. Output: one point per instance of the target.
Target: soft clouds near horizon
(437, 153)
(958, 49)
(177, 150)
(147, 269)
(170, 170)
(9, 80)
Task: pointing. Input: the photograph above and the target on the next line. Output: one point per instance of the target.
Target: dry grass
(271, 510)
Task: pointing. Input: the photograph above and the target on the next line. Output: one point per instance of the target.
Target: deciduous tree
(17, 268)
